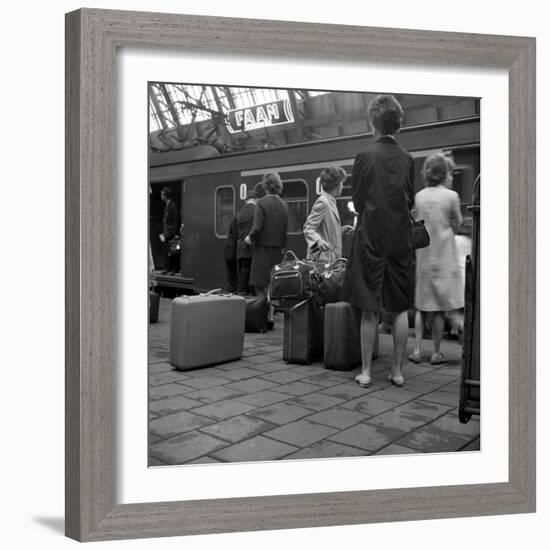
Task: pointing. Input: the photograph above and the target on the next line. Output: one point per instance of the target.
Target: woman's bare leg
(369, 326)
(418, 332)
(438, 324)
(400, 336)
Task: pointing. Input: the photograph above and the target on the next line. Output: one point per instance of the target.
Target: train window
(345, 204)
(295, 194)
(225, 210)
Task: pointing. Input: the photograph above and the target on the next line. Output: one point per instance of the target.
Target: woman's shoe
(414, 357)
(363, 380)
(437, 359)
(396, 380)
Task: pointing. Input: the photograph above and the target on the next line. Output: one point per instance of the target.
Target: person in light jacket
(322, 229)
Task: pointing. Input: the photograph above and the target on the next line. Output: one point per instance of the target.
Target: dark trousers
(231, 271)
(243, 274)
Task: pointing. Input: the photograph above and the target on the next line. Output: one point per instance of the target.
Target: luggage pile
(317, 324)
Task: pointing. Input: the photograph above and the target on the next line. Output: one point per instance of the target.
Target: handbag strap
(290, 253)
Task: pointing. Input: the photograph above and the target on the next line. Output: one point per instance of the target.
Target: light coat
(323, 223)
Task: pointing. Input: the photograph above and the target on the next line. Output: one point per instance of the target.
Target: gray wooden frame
(92, 39)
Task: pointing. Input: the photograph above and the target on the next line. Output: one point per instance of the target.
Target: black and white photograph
(313, 274)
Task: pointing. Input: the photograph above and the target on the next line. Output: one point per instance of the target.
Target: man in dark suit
(169, 225)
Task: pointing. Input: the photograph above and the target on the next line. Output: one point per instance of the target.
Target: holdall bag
(303, 333)
(154, 300)
(331, 281)
(293, 278)
(256, 314)
(206, 330)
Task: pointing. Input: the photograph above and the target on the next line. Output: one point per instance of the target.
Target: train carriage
(211, 190)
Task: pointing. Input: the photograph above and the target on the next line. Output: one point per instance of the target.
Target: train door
(209, 205)
(156, 212)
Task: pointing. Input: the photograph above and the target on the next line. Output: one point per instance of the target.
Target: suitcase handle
(213, 291)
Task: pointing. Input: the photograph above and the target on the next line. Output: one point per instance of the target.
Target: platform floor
(261, 408)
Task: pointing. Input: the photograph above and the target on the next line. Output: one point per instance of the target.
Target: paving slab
(263, 398)
(325, 379)
(394, 394)
(369, 405)
(283, 376)
(450, 422)
(300, 433)
(238, 428)
(184, 448)
(395, 449)
(204, 382)
(316, 401)
(167, 390)
(160, 378)
(348, 391)
(253, 450)
(337, 417)
(272, 366)
(252, 385)
(212, 395)
(367, 437)
(297, 388)
(399, 419)
(223, 409)
(425, 408)
(444, 397)
(431, 439)
(169, 405)
(160, 367)
(174, 424)
(239, 373)
(326, 449)
(281, 413)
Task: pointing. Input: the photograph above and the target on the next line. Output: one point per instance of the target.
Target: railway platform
(261, 408)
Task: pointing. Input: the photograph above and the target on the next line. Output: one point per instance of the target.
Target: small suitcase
(206, 330)
(343, 337)
(256, 314)
(303, 333)
(154, 300)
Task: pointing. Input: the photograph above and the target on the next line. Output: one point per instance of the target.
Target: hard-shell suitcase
(343, 337)
(256, 314)
(303, 332)
(205, 330)
(154, 300)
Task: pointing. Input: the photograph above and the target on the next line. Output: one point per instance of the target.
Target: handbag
(174, 246)
(293, 278)
(420, 238)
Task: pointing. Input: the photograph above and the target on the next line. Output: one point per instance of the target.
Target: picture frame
(92, 39)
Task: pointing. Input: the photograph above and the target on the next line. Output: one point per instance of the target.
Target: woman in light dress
(439, 278)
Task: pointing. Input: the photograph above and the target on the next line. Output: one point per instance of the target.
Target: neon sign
(260, 116)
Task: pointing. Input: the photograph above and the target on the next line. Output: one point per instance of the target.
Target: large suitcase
(206, 330)
(303, 332)
(154, 300)
(256, 314)
(342, 349)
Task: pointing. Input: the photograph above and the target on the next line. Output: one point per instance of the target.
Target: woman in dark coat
(379, 270)
(268, 234)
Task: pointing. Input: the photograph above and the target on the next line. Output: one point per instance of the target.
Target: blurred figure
(379, 269)
(268, 234)
(322, 229)
(245, 219)
(230, 256)
(169, 226)
(439, 279)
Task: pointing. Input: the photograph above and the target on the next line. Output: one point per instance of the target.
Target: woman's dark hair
(167, 192)
(272, 183)
(436, 168)
(331, 177)
(385, 114)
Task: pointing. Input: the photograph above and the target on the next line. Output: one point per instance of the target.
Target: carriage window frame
(292, 200)
(218, 235)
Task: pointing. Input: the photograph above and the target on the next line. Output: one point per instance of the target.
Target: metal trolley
(470, 388)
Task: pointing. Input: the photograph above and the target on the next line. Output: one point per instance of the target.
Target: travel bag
(342, 337)
(303, 332)
(256, 314)
(154, 301)
(206, 330)
(331, 281)
(293, 279)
